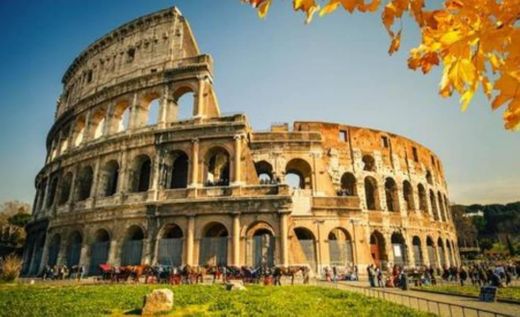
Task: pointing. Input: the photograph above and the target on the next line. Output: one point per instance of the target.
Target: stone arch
(441, 207)
(78, 134)
(378, 249)
(442, 254)
(429, 178)
(307, 242)
(340, 247)
(84, 183)
(217, 167)
(97, 123)
(150, 108)
(369, 163)
(51, 194)
(302, 170)
(178, 170)
(132, 249)
(109, 178)
(432, 254)
(417, 251)
(99, 251)
(54, 250)
(348, 185)
(213, 249)
(264, 171)
(392, 195)
(74, 243)
(65, 189)
(261, 244)
(433, 203)
(423, 200)
(399, 249)
(371, 193)
(120, 119)
(185, 102)
(171, 245)
(408, 195)
(141, 174)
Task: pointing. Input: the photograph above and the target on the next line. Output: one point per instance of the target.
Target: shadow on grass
(136, 311)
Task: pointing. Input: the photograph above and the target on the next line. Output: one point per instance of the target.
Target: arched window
(141, 173)
(429, 177)
(433, 203)
(369, 164)
(264, 171)
(399, 249)
(417, 251)
(441, 207)
(340, 247)
(348, 185)
(171, 246)
(185, 103)
(120, 119)
(54, 250)
(217, 167)
(371, 193)
(74, 249)
(408, 196)
(52, 191)
(99, 251)
(213, 245)
(153, 112)
(378, 249)
(84, 183)
(392, 197)
(79, 130)
(298, 174)
(65, 186)
(431, 251)
(97, 121)
(110, 178)
(178, 176)
(423, 204)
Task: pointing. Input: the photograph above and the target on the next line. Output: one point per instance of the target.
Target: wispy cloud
(494, 191)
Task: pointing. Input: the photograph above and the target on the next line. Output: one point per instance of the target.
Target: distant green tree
(486, 244)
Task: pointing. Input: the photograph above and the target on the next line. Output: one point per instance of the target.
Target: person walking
(371, 275)
(380, 282)
(463, 275)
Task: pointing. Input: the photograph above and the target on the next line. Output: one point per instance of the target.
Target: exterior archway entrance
(377, 248)
(214, 246)
(171, 246)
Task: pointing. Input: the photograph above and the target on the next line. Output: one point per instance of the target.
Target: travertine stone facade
(127, 185)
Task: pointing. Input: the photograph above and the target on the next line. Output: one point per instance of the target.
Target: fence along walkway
(441, 305)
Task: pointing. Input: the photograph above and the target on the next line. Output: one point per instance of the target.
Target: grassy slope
(506, 293)
(195, 300)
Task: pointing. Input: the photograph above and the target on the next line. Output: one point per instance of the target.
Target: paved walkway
(465, 306)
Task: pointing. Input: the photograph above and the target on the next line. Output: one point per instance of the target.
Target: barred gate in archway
(442, 256)
(170, 252)
(263, 250)
(431, 256)
(54, 250)
(213, 251)
(73, 254)
(309, 250)
(340, 252)
(132, 252)
(99, 255)
(36, 260)
(417, 256)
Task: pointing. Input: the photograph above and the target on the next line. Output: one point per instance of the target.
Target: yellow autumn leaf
(396, 42)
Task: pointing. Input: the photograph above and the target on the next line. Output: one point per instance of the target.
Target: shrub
(10, 268)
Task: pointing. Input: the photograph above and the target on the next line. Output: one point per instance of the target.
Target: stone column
(190, 239)
(199, 105)
(284, 252)
(133, 119)
(389, 249)
(236, 239)
(156, 174)
(114, 254)
(194, 182)
(147, 251)
(237, 177)
(108, 119)
(424, 252)
(87, 133)
(163, 108)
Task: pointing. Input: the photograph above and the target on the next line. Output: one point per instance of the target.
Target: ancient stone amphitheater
(126, 181)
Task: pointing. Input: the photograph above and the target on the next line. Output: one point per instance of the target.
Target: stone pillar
(284, 243)
(199, 111)
(133, 119)
(194, 182)
(87, 133)
(114, 254)
(190, 239)
(237, 176)
(147, 251)
(163, 107)
(95, 182)
(389, 249)
(424, 252)
(108, 119)
(156, 174)
(236, 239)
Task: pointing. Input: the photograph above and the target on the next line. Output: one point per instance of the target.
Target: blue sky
(274, 70)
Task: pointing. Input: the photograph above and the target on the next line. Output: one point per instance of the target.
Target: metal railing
(439, 308)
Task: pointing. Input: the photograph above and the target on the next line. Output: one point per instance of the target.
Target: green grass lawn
(505, 293)
(191, 300)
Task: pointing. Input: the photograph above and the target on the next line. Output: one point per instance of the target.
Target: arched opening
(408, 196)
(214, 245)
(132, 250)
(340, 247)
(65, 186)
(217, 167)
(99, 251)
(399, 249)
(307, 243)
(120, 120)
(54, 250)
(97, 122)
(178, 176)
(441, 207)
(417, 252)
(348, 185)
(185, 103)
(429, 178)
(377, 249)
(442, 255)
(153, 112)
(423, 205)
(74, 249)
(53, 186)
(264, 171)
(298, 174)
(263, 247)
(432, 257)
(110, 178)
(79, 130)
(171, 246)
(84, 183)
(141, 173)
(371, 193)
(369, 163)
(392, 197)
(36, 260)
(433, 203)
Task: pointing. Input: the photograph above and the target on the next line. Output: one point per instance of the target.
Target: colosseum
(127, 181)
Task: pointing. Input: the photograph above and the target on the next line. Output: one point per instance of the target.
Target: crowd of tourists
(60, 272)
(337, 273)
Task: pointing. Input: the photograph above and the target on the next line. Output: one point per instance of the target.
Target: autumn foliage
(477, 42)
